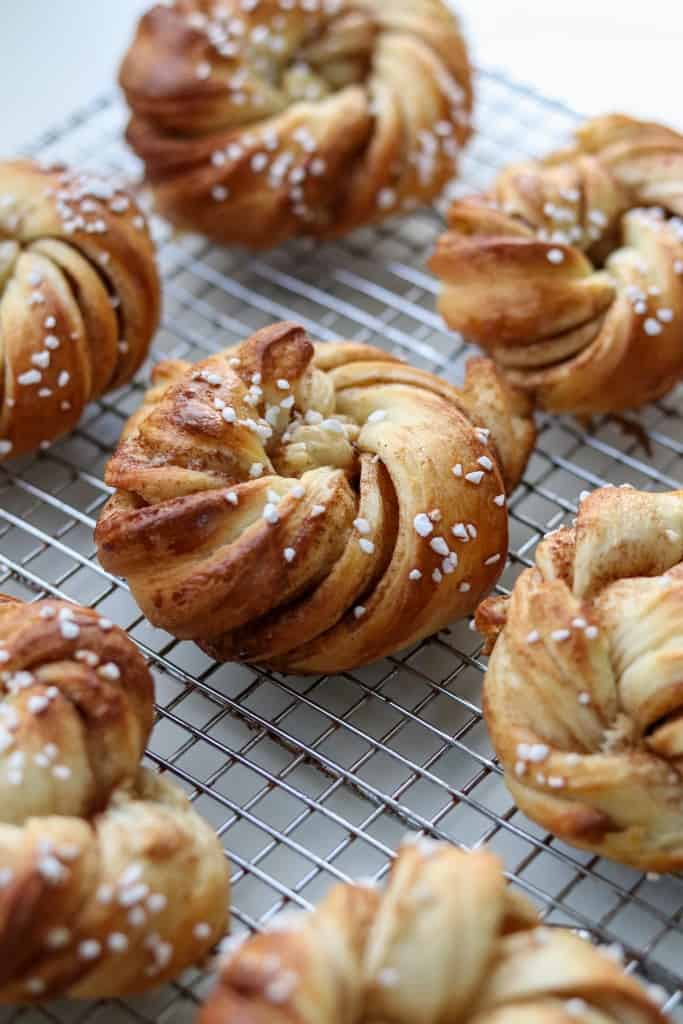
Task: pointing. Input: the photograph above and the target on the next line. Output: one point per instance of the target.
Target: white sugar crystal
(41, 360)
(156, 902)
(30, 377)
(388, 977)
(271, 514)
(449, 564)
(109, 671)
(117, 942)
(439, 545)
(423, 524)
(560, 634)
(386, 198)
(37, 704)
(69, 630)
(105, 893)
(89, 949)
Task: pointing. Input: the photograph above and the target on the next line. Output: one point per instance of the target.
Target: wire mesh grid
(312, 780)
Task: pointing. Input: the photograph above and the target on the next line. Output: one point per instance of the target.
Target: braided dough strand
(79, 298)
(366, 955)
(312, 507)
(583, 695)
(110, 883)
(570, 272)
(258, 122)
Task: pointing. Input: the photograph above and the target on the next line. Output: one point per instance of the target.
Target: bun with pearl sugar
(446, 940)
(583, 695)
(312, 507)
(79, 298)
(570, 271)
(259, 120)
(110, 883)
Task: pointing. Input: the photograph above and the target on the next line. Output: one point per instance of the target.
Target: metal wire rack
(308, 781)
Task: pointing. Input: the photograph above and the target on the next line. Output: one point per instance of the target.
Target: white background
(597, 55)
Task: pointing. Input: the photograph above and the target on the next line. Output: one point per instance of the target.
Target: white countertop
(596, 55)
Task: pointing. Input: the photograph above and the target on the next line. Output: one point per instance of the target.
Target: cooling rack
(311, 780)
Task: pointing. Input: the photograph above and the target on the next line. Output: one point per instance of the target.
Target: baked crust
(397, 954)
(259, 122)
(110, 883)
(79, 298)
(582, 695)
(312, 507)
(570, 271)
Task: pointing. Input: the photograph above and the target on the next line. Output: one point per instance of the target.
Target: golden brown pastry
(570, 271)
(583, 694)
(79, 298)
(110, 883)
(312, 507)
(260, 121)
(446, 941)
